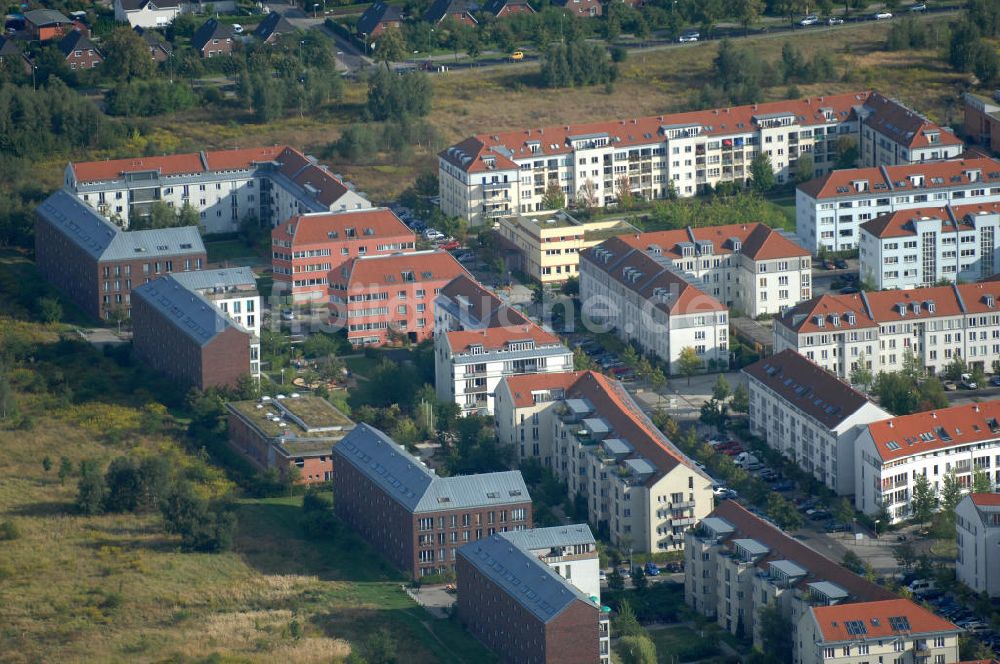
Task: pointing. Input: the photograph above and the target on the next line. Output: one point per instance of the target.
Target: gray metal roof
(616, 446)
(830, 590)
(189, 312)
(751, 546)
(225, 278)
(579, 406)
(788, 568)
(597, 425)
(717, 525)
(417, 487)
(100, 238)
(45, 17)
(529, 581)
(640, 466)
(549, 538)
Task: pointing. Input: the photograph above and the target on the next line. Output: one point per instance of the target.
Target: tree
(46, 463)
(762, 173)
(924, 500)
(65, 469)
(954, 369)
(623, 193)
(741, 399)
(783, 512)
(861, 374)
(90, 489)
(721, 391)
(746, 12)
(616, 581)
(126, 56)
(981, 482)
(49, 310)
(688, 364)
(805, 168)
(895, 393)
(390, 47)
(202, 526)
(847, 152)
(638, 649)
(776, 634)
(625, 622)
(639, 580)
(853, 562)
(586, 196)
(951, 493)
(843, 511)
(554, 198)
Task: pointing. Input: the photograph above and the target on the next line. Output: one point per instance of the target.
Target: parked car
(689, 36)
(837, 527)
(784, 485)
(995, 381)
(674, 567)
(881, 16)
(287, 314)
(517, 56)
(826, 264)
(237, 29)
(849, 290)
(840, 264)
(451, 246)
(602, 576)
(818, 515)
(811, 19)
(921, 584)
(919, 7)
(967, 383)
(834, 20)
(651, 570)
(433, 234)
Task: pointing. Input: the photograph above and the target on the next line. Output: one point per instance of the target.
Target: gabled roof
(324, 227)
(885, 619)
(782, 546)
(229, 278)
(522, 387)
(522, 576)
(496, 6)
(9, 48)
(953, 219)
(274, 23)
(811, 389)
(985, 499)
(804, 317)
(903, 125)
(757, 241)
(418, 488)
(367, 272)
(185, 309)
(549, 538)
(765, 243)
(921, 433)
(377, 13)
(75, 40)
(102, 240)
(892, 180)
(442, 8)
(153, 39)
(43, 17)
(210, 30)
(479, 306)
(497, 338)
(135, 5)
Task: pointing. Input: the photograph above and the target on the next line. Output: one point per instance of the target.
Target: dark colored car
(826, 264)
(837, 527)
(848, 290)
(651, 570)
(840, 264)
(784, 485)
(819, 515)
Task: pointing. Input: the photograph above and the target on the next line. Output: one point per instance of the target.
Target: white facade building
(977, 521)
(913, 248)
(894, 135)
(809, 416)
(830, 209)
(593, 436)
(234, 292)
(478, 340)
(225, 187)
(644, 302)
(934, 324)
(890, 454)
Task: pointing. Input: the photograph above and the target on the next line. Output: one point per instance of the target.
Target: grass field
(682, 643)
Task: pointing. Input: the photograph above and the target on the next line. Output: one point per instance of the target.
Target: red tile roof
(986, 499)
(113, 169)
(497, 338)
(481, 305)
(891, 180)
(759, 242)
(875, 619)
(784, 547)
(905, 126)
(802, 317)
(919, 433)
(232, 160)
(387, 270)
(900, 223)
(312, 229)
(553, 140)
(522, 386)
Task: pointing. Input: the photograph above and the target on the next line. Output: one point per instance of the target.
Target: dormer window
(820, 321)
(860, 185)
(835, 319)
(476, 349)
(851, 319)
(915, 306)
(990, 301)
(901, 308)
(930, 306)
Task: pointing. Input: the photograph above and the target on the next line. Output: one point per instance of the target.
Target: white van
(747, 461)
(921, 585)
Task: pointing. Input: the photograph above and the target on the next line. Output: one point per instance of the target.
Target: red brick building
(462, 11)
(581, 8)
(178, 332)
(307, 247)
(377, 18)
(79, 51)
(96, 264)
(522, 609)
(374, 295)
(413, 517)
(298, 431)
(213, 39)
(982, 120)
(46, 24)
(501, 8)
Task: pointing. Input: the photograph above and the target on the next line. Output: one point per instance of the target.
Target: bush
(9, 531)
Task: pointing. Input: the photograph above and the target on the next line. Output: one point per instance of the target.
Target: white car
(881, 16)
(834, 20)
(433, 234)
(812, 19)
(237, 29)
(689, 36)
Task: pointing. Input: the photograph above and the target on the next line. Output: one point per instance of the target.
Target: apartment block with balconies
(977, 522)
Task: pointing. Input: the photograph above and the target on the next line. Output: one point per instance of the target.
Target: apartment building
(749, 267)
(523, 610)
(982, 119)
(894, 135)
(594, 437)
(307, 247)
(410, 515)
(809, 415)
(921, 247)
(374, 297)
(830, 209)
(977, 522)
(499, 174)
(234, 292)
(288, 432)
(95, 264)
(270, 184)
(478, 340)
(889, 454)
(635, 295)
(736, 564)
(547, 247)
(180, 333)
(892, 630)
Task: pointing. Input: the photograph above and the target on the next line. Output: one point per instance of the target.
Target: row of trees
(910, 389)
(577, 63)
(741, 75)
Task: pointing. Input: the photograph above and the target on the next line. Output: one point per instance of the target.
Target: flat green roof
(301, 417)
(606, 233)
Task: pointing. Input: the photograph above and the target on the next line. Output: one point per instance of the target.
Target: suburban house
(934, 324)
(630, 292)
(147, 13)
(159, 48)
(273, 27)
(378, 17)
(226, 187)
(589, 431)
(478, 340)
(374, 297)
(307, 247)
(410, 515)
(180, 333)
(982, 119)
(213, 39)
(288, 432)
(11, 56)
(46, 24)
(462, 11)
(830, 209)
(977, 520)
(895, 135)
(495, 174)
(96, 264)
(581, 8)
(890, 453)
(810, 416)
(925, 246)
(525, 611)
(79, 51)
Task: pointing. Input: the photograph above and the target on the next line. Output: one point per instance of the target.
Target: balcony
(681, 505)
(685, 521)
(475, 389)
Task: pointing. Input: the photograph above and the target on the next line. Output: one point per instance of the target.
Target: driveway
(435, 599)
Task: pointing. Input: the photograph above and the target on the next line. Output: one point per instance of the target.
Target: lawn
(231, 251)
(681, 643)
